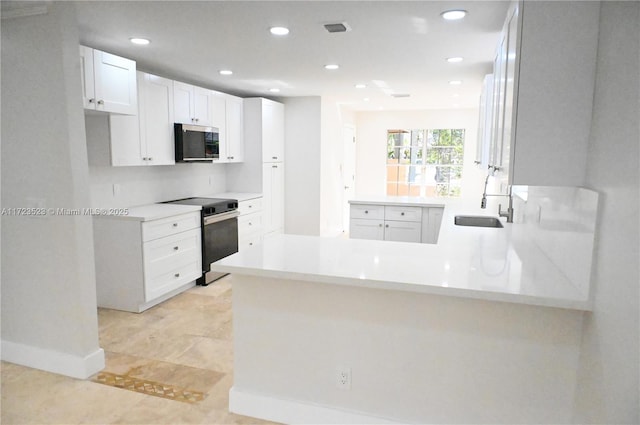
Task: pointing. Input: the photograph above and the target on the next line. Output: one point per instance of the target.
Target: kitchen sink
(477, 221)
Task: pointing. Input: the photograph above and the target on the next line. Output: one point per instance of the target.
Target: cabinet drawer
(172, 248)
(367, 211)
(249, 224)
(249, 241)
(250, 206)
(169, 226)
(171, 279)
(403, 213)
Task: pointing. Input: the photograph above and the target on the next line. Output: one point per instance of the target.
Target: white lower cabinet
(250, 226)
(395, 223)
(140, 264)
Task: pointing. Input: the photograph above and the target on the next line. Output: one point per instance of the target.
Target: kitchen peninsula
(351, 331)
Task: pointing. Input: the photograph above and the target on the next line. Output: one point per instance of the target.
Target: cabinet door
(431, 221)
(182, 103)
(219, 121)
(272, 131)
(360, 228)
(115, 83)
(499, 86)
(156, 114)
(273, 197)
(402, 231)
(125, 136)
(509, 96)
(483, 146)
(235, 132)
(203, 106)
(86, 74)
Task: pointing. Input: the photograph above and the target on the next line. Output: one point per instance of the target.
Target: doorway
(348, 170)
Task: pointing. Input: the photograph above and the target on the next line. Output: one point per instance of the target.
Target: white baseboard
(295, 412)
(53, 361)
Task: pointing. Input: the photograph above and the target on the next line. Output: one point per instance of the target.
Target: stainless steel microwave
(196, 143)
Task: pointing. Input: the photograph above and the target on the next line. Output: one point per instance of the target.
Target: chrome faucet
(509, 212)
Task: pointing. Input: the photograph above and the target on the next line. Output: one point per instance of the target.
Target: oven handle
(221, 217)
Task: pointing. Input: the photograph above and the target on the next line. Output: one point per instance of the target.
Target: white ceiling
(394, 47)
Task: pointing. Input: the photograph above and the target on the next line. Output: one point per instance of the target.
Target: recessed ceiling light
(225, 72)
(361, 86)
(453, 15)
(274, 90)
(455, 59)
(279, 30)
(455, 82)
(140, 41)
(331, 66)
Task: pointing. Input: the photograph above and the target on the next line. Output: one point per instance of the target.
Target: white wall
(608, 387)
(371, 145)
(143, 185)
(302, 171)
(334, 117)
(49, 313)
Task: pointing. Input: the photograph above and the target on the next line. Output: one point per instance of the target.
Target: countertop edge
(579, 305)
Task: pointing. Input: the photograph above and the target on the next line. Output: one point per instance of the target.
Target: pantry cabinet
(147, 138)
(141, 262)
(193, 105)
(108, 82)
(543, 93)
(273, 197)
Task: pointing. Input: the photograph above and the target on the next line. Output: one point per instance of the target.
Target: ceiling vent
(338, 27)
(400, 95)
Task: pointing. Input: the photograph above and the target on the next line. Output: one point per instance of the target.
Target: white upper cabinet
(193, 105)
(485, 123)
(543, 86)
(108, 82)
(146, 139)
(272, 131)
(233, 148)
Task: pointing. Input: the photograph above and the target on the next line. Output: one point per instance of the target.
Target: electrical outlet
(343, 378)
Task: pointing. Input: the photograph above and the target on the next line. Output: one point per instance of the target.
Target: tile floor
(185, 342)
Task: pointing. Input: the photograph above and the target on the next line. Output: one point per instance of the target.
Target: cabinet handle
(92, 100)
(229, 157)
(401, 213)
(175, 224)
(101, 102)
(250, 243)
(176, 248)
(380, 225)
(250, 224)
(274, 157)
(366, 212)
(274, 166)
(197, 119)
(250, 206)
(177, 275)
(150, 159)
(386, 225)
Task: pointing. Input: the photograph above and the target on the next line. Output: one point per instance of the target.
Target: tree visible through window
(424, 162)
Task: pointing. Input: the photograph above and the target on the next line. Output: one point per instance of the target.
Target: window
(424, 162)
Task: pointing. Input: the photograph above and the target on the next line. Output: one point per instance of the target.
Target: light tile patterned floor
(184, 343)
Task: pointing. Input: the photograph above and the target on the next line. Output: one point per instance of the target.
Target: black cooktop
(210, 206)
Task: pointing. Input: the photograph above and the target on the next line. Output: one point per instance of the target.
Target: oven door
(220, 239)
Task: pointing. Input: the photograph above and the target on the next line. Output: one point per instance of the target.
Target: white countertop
(149, 212)
(469, 262)
(400, 200)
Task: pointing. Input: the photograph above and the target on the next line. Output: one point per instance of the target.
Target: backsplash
(116, 187)
(562, 222)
